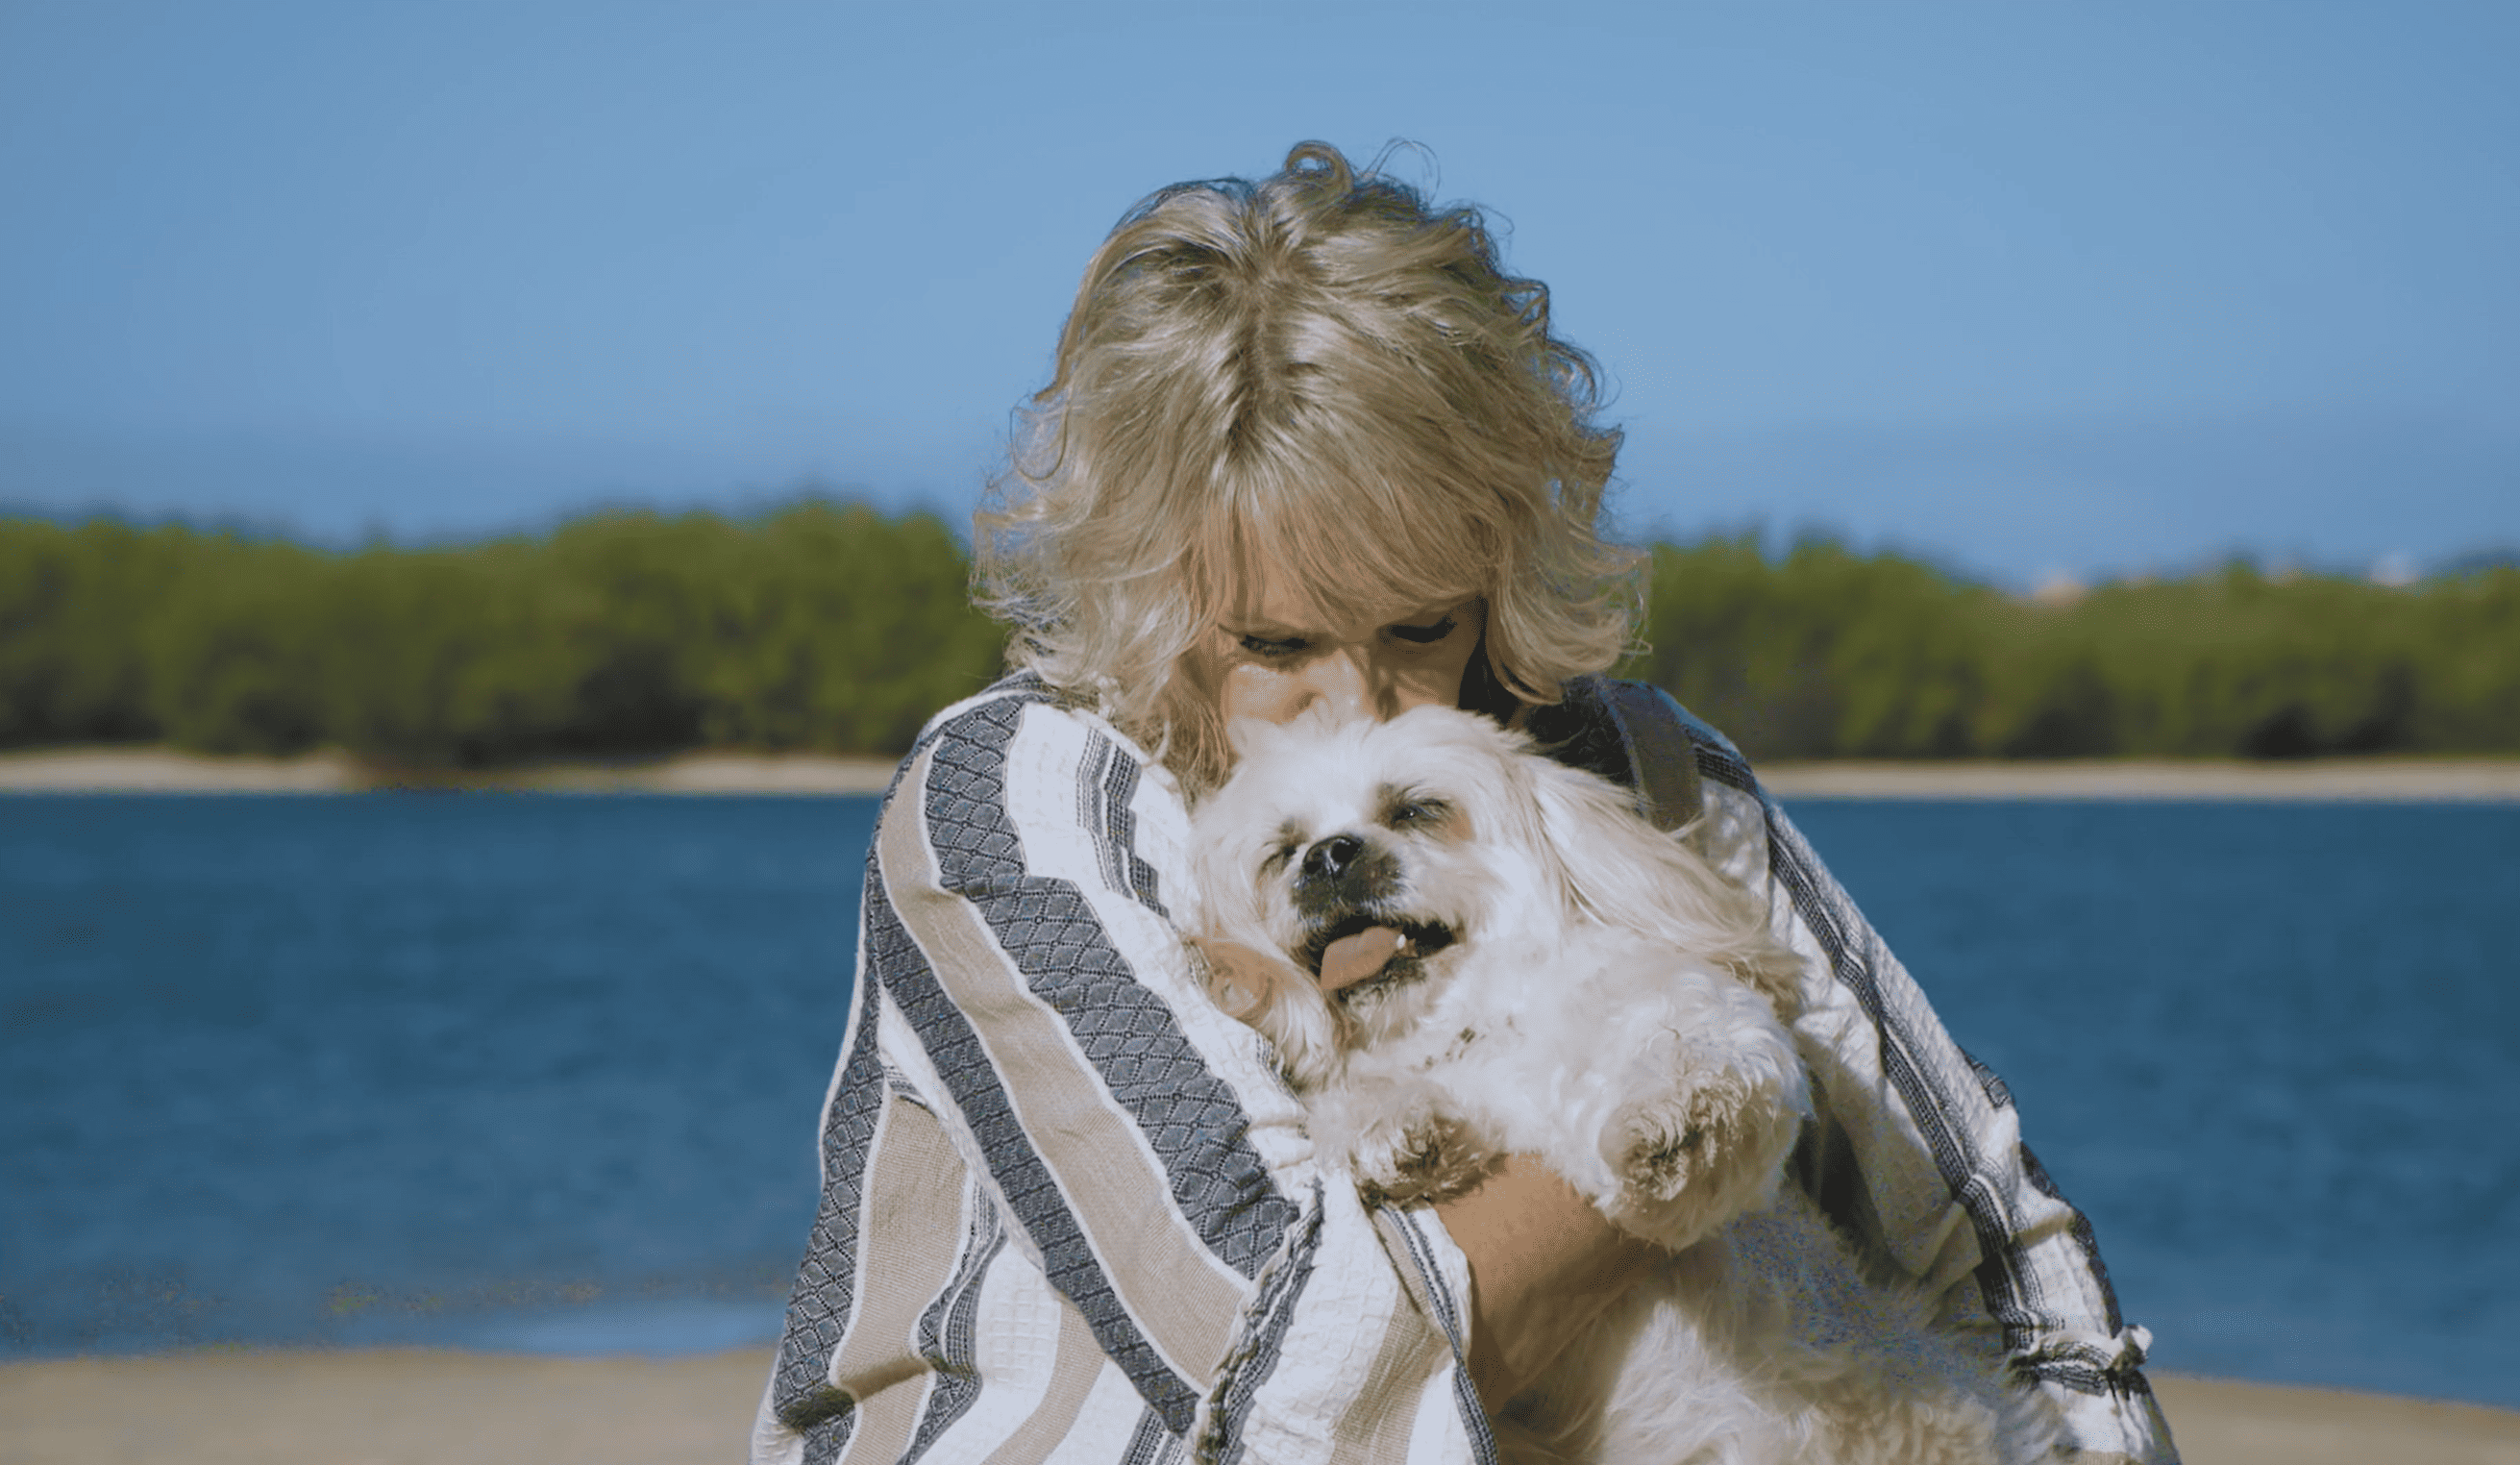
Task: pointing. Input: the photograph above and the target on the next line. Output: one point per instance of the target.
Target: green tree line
(832, 627)
(1830, 654)
(823, 626)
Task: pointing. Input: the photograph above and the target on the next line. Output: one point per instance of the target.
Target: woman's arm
(1543, 1264)
(1129, 1240)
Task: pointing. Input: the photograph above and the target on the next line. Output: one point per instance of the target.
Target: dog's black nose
(1326, 859)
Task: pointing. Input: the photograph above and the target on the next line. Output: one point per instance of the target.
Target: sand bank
(384, 1407)
(159, 771)
(2376, 780)
(419, 1407)
(2219, 1422)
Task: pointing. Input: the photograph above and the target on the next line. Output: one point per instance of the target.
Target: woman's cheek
(1249, 691)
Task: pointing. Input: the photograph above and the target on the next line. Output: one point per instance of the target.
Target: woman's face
(1272, 653)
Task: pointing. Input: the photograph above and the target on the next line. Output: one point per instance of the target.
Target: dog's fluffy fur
(1580, 987)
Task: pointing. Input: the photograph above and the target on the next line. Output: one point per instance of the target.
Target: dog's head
(1425, 827)
(1446, 830)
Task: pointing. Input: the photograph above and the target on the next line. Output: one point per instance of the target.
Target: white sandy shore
(420, 1407)
(2396, 780)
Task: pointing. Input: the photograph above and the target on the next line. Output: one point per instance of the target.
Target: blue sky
(2029, 287)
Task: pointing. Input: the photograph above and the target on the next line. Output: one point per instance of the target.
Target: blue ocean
(541, 1072)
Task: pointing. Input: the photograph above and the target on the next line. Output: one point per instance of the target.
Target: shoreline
(415, 1406)
(162, 770)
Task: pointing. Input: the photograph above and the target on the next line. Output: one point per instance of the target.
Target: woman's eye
(1426, 635)
(1263, 646)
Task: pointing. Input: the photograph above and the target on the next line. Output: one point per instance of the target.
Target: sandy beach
(157, 770)
(417, 1407)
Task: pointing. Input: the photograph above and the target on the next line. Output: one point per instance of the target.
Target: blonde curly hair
(1323, 371)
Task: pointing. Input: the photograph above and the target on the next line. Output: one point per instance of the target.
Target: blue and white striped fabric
(1069, 1213)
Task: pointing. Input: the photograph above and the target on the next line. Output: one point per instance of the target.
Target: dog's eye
(1418, 811)
(1278, 854)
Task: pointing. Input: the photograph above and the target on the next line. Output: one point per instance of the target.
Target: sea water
(541, 1072)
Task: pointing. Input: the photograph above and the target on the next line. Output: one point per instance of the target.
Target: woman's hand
(1543, 1264)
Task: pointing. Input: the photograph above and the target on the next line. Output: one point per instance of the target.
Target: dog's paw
(1433, 1160)
(1698, 1155)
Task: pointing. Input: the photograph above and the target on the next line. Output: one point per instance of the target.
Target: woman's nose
(1342, 683)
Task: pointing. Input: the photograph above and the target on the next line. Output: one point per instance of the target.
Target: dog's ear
(1612, 862)
(1623, 871)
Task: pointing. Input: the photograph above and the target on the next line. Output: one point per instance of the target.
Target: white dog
(1568, 981)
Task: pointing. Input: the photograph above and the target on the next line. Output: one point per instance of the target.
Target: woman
(1306, 442)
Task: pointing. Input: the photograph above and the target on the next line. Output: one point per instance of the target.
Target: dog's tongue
(1351, 959)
